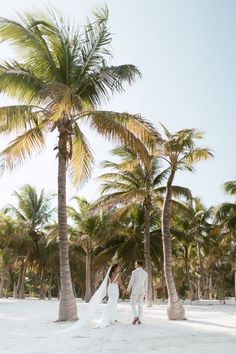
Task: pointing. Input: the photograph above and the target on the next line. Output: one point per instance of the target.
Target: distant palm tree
(33, 212)
(226, 212)
(89, 231)
(226, 218)
(125, 233)
(9, 232)
(180, 153)
(61, 80)
(191, 226)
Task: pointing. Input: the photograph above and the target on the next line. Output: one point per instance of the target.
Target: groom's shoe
(139, 322)
(136, 319)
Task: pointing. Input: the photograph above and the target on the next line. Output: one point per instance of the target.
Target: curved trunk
(175, 310)
(88, 292)
(67, 308)
(147, 255)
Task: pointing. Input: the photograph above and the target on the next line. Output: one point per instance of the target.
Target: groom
(138, 287)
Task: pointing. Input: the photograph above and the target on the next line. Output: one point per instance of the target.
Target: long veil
(92, 305)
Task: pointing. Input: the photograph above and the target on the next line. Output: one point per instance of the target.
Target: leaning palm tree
(61, 78)
(180, 153)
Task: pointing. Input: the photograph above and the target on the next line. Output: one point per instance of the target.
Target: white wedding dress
(110, 313)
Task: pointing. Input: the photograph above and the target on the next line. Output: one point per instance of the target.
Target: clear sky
(186, 52)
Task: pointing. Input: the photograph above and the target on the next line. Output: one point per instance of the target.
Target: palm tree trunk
(14, 290)
(41, 287)
(88, 292)
(163, 282)
(188, 280)
(67, 308)
(175, 310)
(23, 273)
(235, 285)
(201, 273)
(147, 255)
(50, 287)
(1, 283)
(210, 287)
(93, 277)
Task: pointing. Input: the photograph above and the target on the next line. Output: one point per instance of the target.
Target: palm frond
(19, 82)
(197, 154)
(230, 187)
(82, 157)
(113, 126)
(118, 198)
(15, 119)
(21, 147)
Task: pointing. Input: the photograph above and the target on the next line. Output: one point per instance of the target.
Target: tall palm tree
(61, 79)
(180, 153)
(134, 180)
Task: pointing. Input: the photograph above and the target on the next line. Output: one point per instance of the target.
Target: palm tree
(89, 231)
(32, 211)
(226, 212)
(61, 79)
(179, 152)
(125, 232)
(226, 217)
(9, 231)
(134, 180)
(191, 227)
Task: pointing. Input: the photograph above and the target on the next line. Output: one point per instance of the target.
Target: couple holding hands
(137, 289)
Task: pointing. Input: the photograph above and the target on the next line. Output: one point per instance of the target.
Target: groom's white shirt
(138, 282)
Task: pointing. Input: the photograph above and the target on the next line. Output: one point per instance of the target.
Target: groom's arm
(131, 282)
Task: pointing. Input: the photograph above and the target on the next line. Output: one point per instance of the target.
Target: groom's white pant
(137, 304)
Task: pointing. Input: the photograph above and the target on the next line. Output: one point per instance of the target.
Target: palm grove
(60, 76)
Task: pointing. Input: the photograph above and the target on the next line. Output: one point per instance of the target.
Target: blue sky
(186, 52)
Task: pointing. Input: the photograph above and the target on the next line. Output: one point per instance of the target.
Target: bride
(112, 294)
(109, 289)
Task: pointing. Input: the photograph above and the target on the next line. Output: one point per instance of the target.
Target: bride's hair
(113, 267)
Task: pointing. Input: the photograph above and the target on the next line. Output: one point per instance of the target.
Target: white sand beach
(28, 327)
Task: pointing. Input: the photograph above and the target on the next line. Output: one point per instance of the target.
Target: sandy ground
(28, 327)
